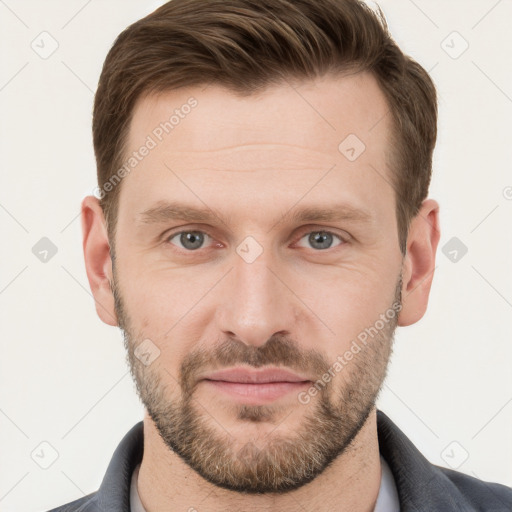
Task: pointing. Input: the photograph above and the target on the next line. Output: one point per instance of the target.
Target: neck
(350, 483)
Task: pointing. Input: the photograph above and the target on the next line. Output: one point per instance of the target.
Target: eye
(194, 240)
(189, 240)
(321, 239)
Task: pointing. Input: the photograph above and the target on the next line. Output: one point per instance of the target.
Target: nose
(256, 302)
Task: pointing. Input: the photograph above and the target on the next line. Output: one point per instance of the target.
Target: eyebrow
(332, 214)
(164, 211)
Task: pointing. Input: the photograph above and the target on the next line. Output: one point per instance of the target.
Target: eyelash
(168, 238)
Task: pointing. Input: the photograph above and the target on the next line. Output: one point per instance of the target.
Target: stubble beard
(280, 462)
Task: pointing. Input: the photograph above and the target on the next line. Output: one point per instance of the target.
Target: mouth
(256, 387)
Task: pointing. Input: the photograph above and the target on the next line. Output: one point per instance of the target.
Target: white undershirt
(387, 500)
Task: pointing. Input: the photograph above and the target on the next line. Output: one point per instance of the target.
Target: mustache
(277, 351)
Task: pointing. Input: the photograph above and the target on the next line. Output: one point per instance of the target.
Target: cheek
(348, 300)
(168, 307)
(161, 293)
(177, 307)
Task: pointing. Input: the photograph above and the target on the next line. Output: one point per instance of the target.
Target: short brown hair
(246, 45)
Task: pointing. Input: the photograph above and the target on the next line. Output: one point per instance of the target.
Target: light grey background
(64, 380)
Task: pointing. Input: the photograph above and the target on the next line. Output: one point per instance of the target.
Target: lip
(265, 375)
(256, 387)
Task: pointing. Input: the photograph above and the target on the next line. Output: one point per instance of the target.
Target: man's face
(266, 281)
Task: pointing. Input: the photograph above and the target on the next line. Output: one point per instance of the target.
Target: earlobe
(98, 262)
(419, 262)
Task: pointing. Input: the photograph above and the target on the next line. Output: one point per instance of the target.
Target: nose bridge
(256, 304)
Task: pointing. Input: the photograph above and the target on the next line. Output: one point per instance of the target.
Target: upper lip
(255, 376)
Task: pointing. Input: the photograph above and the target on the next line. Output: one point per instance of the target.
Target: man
(261, 230)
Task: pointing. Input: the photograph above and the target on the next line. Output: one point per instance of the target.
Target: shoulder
(88, 503)
(114, 491)
(481, 494)
(424, 486)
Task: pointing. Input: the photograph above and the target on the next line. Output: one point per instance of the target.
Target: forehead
(278, 141)
(316, 114)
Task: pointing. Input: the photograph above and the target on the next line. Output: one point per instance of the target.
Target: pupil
(321, 238)
(191, 240)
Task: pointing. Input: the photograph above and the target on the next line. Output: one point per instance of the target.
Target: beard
(279, 463)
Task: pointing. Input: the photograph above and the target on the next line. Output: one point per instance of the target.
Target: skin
(251, 161)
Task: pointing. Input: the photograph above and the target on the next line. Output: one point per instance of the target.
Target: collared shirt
(421, 485)
(387, 500)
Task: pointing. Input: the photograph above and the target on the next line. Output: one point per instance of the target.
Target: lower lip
(255, 394)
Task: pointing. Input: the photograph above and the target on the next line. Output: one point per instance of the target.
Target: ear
(98, 263)
(419, 262)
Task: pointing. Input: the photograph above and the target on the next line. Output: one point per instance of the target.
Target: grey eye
(321, 239)
(190, 240)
